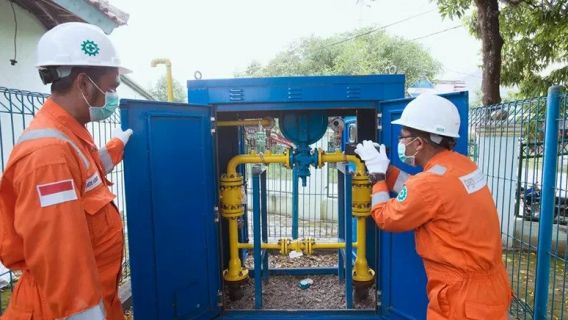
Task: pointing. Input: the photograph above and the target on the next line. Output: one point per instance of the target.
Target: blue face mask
(103, 112)
(409, 160)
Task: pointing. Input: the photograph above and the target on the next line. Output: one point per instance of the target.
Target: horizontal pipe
(265, 122)
(340, 157)
(276, 246)
(269, 246)
(254, 157)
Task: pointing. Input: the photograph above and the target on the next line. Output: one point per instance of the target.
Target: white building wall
(23, 75)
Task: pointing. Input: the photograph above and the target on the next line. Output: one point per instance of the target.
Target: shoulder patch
(56, 192)
(474, 181)
(438, 169)
(402, 195)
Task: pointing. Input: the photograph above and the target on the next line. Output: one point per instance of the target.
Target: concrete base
(527, 232)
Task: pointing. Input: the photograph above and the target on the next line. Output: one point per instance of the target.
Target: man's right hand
(375, 160)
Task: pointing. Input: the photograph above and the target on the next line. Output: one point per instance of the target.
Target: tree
(487, 28)
(523, 42)
(535, 55)
(366, 52)
(159, 90)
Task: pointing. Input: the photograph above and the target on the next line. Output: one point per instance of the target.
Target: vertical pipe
(257, 249)
(169, 79)
(547, 203)
(234, 260)
(341, 221)
(264, 211)
(294, 204)
(348, 243)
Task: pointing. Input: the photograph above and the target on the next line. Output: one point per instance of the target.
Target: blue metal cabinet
(402, 277)
(170, 176)
(170, 195)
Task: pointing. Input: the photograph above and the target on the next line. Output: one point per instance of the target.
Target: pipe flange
(241, 277)
(284, 244)
(232, 212)
(361, 211)
(287, 154)
(309, 246)
(320, 158)
(231, 180)
(364, 279)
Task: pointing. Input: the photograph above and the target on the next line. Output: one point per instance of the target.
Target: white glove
(376, 161)
(124, 136)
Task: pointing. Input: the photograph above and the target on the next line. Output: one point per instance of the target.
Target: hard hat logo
(90, 48)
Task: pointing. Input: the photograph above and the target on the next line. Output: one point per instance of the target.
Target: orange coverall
(58, 222)
(457, 234)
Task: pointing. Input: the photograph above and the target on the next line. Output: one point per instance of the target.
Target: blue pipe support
(295, 196)
(301, 159)
(348, 244)
(341, 222)
(547, 208)
(257, 251)
(264, 215)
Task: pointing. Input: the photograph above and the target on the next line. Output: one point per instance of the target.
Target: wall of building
(23, 75)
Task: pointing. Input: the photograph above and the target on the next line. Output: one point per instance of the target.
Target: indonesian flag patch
(56, 192)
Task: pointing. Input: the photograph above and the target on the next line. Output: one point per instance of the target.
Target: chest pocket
(102, 215)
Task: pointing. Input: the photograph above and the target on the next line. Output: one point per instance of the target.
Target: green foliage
(535, 50)
(535, 54)
(368, 52)
(159, 90)
(454, 8)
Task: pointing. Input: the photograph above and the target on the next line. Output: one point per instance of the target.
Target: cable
(14, 61)
(377, 29)
(438, 32)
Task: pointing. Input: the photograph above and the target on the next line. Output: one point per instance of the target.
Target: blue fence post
(547, 200)
(295, 214)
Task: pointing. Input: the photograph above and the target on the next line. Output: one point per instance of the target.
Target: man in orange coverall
(450, 208)
(58, 223)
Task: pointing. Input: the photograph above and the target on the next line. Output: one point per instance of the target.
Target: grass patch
(521, 267)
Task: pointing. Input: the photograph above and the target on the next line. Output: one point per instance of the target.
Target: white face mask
(103, 112)
(409, 160)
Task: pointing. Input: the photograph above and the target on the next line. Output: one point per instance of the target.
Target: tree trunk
(492, 42)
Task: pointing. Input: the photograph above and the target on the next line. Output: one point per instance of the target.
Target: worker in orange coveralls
(450, 208)
(58, 223)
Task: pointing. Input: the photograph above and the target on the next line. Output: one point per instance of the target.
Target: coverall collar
(59, 114)
(436, 159)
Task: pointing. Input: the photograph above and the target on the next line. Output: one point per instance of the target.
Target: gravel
(283, 293)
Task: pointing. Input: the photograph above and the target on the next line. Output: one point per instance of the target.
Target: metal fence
(512, 142)
(17, 109)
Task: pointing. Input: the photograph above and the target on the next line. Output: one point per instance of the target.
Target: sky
(221, 37)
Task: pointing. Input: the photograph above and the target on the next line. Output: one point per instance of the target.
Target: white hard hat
(433, 114)
(77, 44)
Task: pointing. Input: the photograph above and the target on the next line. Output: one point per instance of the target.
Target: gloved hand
(124, 136)
(376, 161)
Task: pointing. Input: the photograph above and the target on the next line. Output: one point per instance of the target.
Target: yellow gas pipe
(169, 79)
(232, 208)
(264, 122)
(232, 194)
(361, 208)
